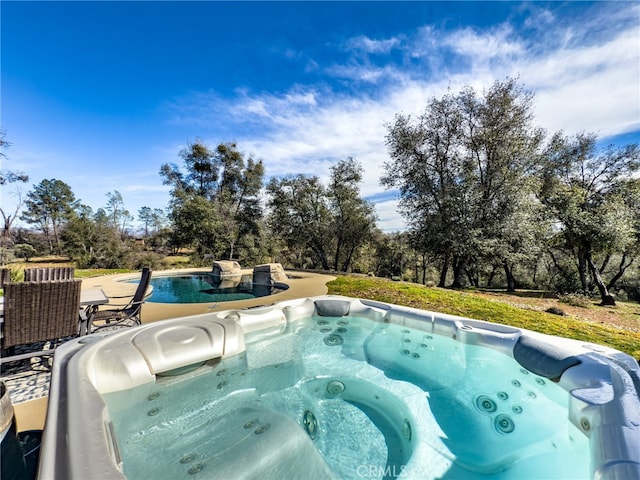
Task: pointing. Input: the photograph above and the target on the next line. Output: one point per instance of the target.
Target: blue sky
(101, 94)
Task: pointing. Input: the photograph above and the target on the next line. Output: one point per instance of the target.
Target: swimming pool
(206, 287)
(332, 387)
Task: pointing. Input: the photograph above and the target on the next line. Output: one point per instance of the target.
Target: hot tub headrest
(122, 362)
(332, 308)
(543, 358)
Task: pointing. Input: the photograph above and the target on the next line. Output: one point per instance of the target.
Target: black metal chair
(129, 314)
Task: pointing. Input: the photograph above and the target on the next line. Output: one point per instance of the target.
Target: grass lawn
(478, 306)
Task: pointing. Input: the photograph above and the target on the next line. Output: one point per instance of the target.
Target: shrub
(24, 250)
(148, 259)
(575, 299)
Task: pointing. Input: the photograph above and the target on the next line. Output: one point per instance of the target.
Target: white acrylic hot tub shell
(78, 441)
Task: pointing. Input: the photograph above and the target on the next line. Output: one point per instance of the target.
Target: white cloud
(365, 44)
(592, 88)
(588, 85)
(481, 47)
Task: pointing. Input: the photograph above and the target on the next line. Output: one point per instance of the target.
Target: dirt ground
(626, 315)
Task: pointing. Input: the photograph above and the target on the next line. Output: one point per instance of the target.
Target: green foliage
(48, 206)
(24, 250)
(148, 259)
(119, 217)
(92, 242)
(196, 224)
(9, 176)
(331, 224)
(219, 188)
(463, 171)
(300, 216)
(588, 193)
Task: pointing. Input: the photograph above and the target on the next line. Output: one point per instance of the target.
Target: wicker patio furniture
(46, 274)
(39, 312)
(5, 276)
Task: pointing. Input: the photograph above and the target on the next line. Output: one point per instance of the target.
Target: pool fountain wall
(602, 403)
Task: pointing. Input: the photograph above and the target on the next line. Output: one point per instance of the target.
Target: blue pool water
(203, 288)
(374, 400)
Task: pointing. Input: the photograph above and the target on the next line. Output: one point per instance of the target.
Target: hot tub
(335, 387)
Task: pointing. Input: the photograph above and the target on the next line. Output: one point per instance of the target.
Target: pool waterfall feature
(404, 399)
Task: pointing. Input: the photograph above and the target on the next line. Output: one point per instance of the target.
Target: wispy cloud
(365, 44)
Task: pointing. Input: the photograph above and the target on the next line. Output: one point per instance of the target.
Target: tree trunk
(443, 271)
(473, 277)
(582, 271)
(346, 266)
(511, 281)
(322, 257)
(607, 298)
(459, 264)
(336, 258)
(424, 269)
(621, 269)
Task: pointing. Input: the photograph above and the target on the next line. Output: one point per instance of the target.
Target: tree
(202, 172)
(24, 250)
(331, 222)
(238, 196)
(629, 193)
(145, 215)
(48, 206)
(461, 169)
(353, 218)
(119, 215)
(300, 216)
(158, 219)
(8, 176)
(583, 188)
(230, 184)
(91, 241)
(391, 254)
(7, 223)
(196, 224)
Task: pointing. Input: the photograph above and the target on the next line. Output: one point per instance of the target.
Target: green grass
(96, 272)
(470, 305)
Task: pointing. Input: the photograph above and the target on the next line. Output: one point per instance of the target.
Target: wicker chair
(48, 273)
(128, 315)
(5, 276)
(37, 312)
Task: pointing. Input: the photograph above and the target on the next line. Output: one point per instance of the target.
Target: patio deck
(28, 383)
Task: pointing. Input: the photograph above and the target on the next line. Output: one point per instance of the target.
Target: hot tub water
(374, 400)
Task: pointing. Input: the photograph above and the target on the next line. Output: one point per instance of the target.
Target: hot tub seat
(261, 444)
